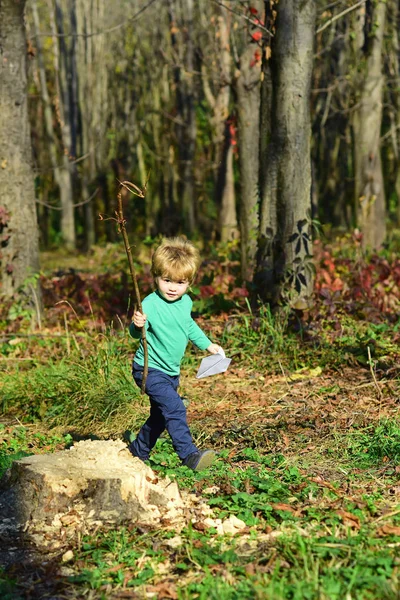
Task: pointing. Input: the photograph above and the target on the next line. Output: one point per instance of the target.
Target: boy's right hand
(138, 319)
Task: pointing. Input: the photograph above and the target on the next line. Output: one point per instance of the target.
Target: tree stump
(98, 481)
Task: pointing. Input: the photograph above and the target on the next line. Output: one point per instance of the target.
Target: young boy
(169, 327)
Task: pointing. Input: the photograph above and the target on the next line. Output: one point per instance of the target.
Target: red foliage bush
(369, 287)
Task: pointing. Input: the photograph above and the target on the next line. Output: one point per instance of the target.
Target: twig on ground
(284, 374)
(371, 368)
(387, 515)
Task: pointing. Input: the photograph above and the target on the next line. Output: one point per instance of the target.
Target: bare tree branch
(243, 16)
(94, 33)
(73, 206)
(72, 162)
(338, 16)
(331, 5)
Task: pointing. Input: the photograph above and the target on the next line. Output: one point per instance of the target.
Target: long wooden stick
(122, 222)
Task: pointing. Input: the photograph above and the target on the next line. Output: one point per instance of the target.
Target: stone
(99, 481)
(230, 526)
(175, 542)
(67, 556)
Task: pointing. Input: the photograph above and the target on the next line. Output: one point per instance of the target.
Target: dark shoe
(128, 436)
(197, 461)
(131, 450)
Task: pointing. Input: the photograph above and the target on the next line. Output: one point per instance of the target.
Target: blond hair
(175, 258)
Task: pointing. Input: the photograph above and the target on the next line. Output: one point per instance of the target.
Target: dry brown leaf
(286, 440)
(116, 568)
(349, 519)
(71, 518)
(199, 526)
(324, 483)
(283, 506)
(388, 530)
(164, 590)
(126, 594)
(250, 569)
(128, 576)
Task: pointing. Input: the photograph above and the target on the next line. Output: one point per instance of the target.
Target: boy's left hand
(213, 348)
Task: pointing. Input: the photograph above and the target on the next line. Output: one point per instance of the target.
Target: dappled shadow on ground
(36, 576)
(33, 564)
(25, 571)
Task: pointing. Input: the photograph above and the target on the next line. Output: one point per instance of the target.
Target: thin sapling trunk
(120, 219)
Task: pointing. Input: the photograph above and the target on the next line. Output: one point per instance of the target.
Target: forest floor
(306, 427)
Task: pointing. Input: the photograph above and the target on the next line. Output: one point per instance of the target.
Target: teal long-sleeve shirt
(169, 327)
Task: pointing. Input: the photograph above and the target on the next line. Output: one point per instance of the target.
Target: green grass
(299, 544)
(316, 556)
(8, 587)
(18, 441)
(83, 378)
(315, 553)
(376, 443)
(88, 384)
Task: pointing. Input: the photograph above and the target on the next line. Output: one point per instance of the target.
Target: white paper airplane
(213, 364)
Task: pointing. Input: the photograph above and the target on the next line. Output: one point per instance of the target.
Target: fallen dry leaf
(116, 568)
(283, 506)
(324, 483)
(388, 530)
(163, 590)
(349, 519)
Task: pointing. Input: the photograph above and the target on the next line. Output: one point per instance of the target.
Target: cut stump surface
(99, 480)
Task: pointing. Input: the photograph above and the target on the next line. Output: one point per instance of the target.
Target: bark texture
(219, 100)
(18, 223)
(185, 89)
(92, 100)
(369, 185)
(248, 87)
(65, 71)
(285, 247)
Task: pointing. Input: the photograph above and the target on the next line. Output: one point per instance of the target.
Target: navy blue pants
(167, 411)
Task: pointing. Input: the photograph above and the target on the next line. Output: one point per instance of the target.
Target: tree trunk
(51, 141)
(285, 247)
(155, 206)
(332, 102)
(367, 119)
(18, 223)
(63, 72)
(227, 218)
(181, 31)
(266, 99)
(248, 84)
(151, 201)
(219, 102)
(188, 187)
(90, 230)
(394, 33)
(390, 140)
(91, 75)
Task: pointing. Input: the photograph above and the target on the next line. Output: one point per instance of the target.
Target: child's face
(171, 290)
